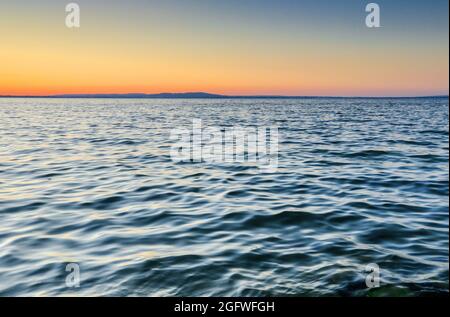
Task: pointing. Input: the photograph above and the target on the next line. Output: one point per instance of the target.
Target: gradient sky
(312, 47)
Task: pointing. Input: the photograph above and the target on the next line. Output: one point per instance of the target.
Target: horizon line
(199, 95)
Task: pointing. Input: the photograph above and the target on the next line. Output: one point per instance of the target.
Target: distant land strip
(202, 95)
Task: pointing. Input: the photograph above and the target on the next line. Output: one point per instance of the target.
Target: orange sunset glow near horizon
(233, 48)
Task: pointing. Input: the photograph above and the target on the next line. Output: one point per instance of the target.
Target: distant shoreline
(202, 95)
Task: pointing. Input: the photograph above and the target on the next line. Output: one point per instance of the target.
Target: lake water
(92, 182)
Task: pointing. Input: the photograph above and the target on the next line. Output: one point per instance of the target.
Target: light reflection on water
(91, 181)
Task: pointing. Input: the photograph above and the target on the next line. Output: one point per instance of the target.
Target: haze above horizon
(198, 95)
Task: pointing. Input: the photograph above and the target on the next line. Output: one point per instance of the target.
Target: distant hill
(141, 95)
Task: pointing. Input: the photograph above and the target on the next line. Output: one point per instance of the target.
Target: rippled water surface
(91, 181)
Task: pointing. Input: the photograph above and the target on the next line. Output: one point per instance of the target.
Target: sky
(234, 47)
